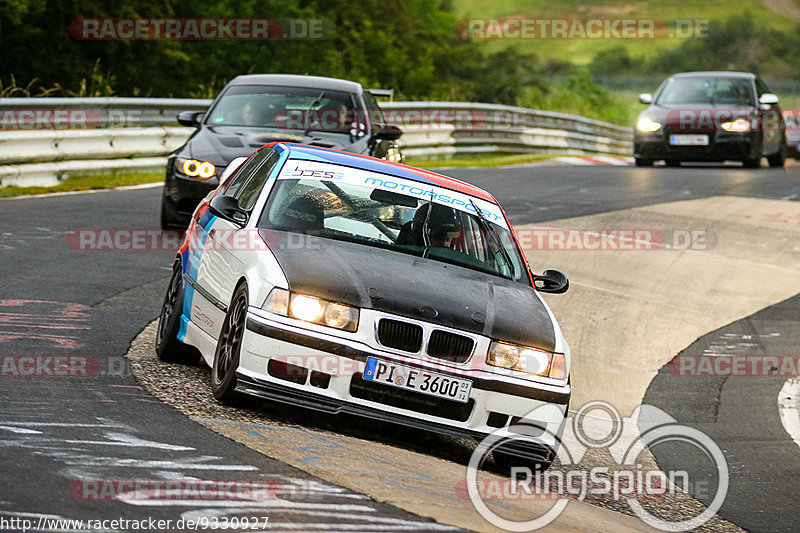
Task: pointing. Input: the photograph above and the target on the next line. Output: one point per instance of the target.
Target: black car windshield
(730, 92)
(284, 108)
(390, 212)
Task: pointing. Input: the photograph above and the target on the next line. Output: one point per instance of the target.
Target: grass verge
(481, 161)
(86, 182)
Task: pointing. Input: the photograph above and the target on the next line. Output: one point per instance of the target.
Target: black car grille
(400, 335)
(450, 346)
(408, 338)
(409, 400)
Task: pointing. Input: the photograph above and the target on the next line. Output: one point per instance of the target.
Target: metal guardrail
(46, 139)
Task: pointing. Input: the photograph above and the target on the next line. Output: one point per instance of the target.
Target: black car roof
(714, 74)
(293, 80)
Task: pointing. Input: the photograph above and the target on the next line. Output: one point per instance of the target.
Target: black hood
(418, 288)
(221, 144)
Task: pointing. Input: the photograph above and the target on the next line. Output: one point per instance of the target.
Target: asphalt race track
(65, 310)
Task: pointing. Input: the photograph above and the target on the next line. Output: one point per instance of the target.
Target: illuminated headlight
(312, 309)
(738, 125)
(196, 169)
(394, 155)
(528, 360)
(645, 124)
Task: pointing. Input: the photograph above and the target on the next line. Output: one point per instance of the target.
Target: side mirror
(551, 281)
(190, 118)
(388, 132)
(645, 98)
(231, 168)
(768, 99)
(227, 207)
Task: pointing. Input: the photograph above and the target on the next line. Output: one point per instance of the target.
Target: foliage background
(407, 45)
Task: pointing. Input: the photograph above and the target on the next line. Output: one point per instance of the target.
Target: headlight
(645, 124)
(738, 125)
(312, 309)
(527, 359)
(394, 155)
(195, 169)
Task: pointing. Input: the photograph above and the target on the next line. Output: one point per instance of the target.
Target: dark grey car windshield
(284, 108)
(731, 92)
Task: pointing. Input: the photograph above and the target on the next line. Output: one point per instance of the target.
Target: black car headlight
(646, 125)
(739, 125)
(528, 360)
(312, 309)
(195, 169)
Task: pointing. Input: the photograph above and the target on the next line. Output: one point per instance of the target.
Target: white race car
(347, 284)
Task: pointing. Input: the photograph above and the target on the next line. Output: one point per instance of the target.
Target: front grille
(450, 346)
(412, 401)
(400, 335)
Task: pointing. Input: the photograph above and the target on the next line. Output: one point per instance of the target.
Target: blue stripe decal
(311, 153)
(188, 294)
(205, 221)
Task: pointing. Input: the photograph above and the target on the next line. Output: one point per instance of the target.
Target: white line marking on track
(789, 408)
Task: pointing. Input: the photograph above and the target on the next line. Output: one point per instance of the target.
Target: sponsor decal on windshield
(302, 169)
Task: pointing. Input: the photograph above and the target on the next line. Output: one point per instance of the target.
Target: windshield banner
(302, 169)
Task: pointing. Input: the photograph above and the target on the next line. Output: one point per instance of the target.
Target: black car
(711, 116)
(254, 110)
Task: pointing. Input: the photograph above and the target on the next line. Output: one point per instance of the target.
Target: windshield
(355, 205)
(707, 91)
(284, 108)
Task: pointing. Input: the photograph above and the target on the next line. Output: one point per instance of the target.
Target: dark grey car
(711, 116)
(254, 110)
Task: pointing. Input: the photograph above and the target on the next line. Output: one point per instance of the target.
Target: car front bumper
(497, 404)
(182, 194)
(722, 146)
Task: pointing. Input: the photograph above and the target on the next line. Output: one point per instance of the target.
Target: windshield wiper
(349, 202)
(487, 228)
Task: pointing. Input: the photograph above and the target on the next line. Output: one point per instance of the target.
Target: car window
(283, 108)
(248, 194)
(707, 91)
(232, 186)
(364, 207)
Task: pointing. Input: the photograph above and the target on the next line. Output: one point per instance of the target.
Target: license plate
(417, 380)
(688, 140)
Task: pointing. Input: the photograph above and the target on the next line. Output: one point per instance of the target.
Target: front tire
(778, 159)
(168, 347)
(643, 162)
(229, 345)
